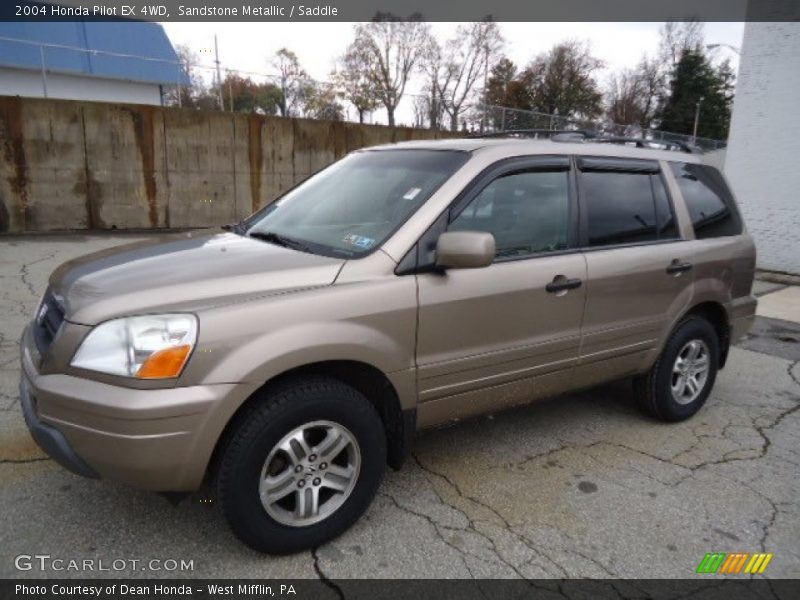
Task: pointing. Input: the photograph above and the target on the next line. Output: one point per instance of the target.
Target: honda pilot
(292, 357)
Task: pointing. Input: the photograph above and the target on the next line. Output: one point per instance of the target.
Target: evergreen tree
(694, 79)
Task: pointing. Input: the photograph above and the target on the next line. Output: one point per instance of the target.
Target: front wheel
(301, 466)
(680, 381)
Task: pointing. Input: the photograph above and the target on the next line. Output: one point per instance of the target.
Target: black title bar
(399, 589)
(366, 10)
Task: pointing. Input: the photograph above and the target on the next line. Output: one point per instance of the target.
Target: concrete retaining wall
(86, 165)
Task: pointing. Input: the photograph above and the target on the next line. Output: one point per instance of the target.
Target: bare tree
(652, 82)
(195, 94)
(622, 97)
(352, 79)
(428, 110)
(292, 80)
(466, 61)
(421, 111)
(392, 49)
(428, 106)
(633, 95)
(676, 38)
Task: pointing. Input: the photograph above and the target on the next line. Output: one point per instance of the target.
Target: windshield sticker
(412, 193)
(358, 240)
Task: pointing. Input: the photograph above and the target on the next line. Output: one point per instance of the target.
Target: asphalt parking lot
(580, 486)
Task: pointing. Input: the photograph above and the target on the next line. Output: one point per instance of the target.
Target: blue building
(131, 62)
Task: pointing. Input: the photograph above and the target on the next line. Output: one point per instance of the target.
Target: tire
(320, 409)
(654, 390)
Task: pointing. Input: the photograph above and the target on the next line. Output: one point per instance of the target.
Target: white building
(763, 157)
(127, 62)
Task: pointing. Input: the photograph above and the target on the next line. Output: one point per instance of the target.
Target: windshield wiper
(237, 228)
(280, 240)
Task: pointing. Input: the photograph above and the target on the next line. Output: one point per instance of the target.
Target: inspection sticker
(412, 193)
(358, 240)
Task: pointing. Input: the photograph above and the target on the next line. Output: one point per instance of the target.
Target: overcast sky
(248, 46)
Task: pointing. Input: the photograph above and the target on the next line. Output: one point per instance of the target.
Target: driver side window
(527, 212)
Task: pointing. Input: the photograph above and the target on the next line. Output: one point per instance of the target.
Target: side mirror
(465, 250)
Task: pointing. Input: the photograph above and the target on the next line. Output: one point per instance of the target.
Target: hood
(183, 272)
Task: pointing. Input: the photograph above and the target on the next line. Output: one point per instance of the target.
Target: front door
(508, 333)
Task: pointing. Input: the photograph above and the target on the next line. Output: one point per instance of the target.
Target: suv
(403, 287)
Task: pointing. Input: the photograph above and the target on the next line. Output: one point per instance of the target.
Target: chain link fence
(499, 119)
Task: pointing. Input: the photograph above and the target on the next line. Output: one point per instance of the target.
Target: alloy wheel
(310, 473)
(690, 371)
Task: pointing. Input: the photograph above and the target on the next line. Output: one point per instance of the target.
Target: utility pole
(44, 70)
(230, 90)
(219, 77)
(696, 119)
(485, 84)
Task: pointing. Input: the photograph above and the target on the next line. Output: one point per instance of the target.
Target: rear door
(510, 332)
(639, 267)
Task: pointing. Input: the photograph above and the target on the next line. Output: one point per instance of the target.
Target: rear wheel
(301, 466)
(680, 381)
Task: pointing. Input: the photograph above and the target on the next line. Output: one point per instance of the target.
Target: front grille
(48, 321)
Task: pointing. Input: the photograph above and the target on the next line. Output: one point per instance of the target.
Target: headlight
(147, 347)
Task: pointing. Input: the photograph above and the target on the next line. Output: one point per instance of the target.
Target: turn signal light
(164, 363)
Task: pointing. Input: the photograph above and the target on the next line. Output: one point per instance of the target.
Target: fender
(286, 349)
(372, 322)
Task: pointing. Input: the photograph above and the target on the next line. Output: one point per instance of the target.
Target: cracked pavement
(578, 486)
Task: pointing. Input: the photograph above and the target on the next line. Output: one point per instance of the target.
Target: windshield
(351, 207)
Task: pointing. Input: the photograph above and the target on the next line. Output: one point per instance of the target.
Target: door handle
(562, 284)
(677, 267)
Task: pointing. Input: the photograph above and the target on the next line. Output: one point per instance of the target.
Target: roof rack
(583, 135)
(531, 133)
(644, 143)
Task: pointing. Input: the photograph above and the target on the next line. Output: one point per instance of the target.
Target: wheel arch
(716, 314)
(399, 425)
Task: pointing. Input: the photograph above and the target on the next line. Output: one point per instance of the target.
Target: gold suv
(295, 355)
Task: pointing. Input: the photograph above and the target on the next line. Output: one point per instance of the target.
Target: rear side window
(710, 203)
(626, 208)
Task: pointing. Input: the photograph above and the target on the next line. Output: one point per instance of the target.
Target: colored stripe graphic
(711, 562)
(734, 563)
(758, 563)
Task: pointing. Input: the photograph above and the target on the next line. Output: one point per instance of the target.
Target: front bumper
(50, 439)
(155, 439)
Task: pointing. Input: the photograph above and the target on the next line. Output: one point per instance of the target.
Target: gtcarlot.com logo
(734, 563)
(47, 562)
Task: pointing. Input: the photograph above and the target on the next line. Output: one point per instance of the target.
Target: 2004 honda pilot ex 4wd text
(292, 357)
